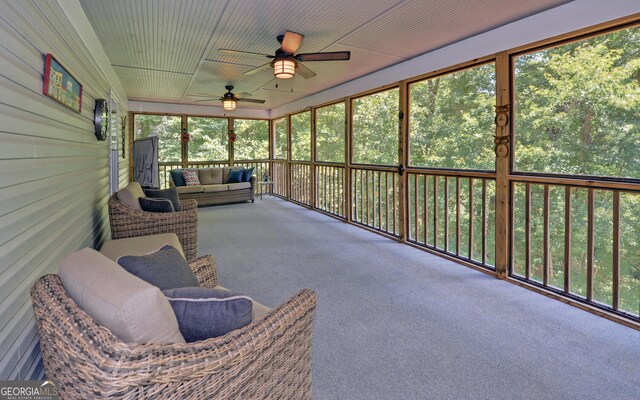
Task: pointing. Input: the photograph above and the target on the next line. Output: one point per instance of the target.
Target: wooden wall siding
(55, 185)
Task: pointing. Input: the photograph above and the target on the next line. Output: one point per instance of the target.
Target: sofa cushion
(210, 176)
(139, 245)
(165, 268)
(171, 194)
(215, 188)
(177, 177)
(235, 176)
(226, 170)
(246, 175)
(156, 205)
(241, 185)
(204, 313)
(191, 178)
(132, 309)
(259, 310)
(130, 194)
(190, 189)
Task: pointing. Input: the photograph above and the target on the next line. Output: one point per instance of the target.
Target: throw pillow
(204, 313)
(246, 176)
(170, 194)
(156, 205)
(191, 178)
(165, 269)
(132, 309)
(235, 175)
(178, 177)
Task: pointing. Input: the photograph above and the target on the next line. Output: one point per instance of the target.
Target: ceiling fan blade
(245, 52)
(209, 96)
(291, 42)
(327, 56)
(256, 69)
(213, 99)
(245, 94)
(304, 71)
(252, 100)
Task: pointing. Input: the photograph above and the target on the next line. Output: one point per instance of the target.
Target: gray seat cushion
(132, 309)
(139, 246)
(215, 188)
(240, 185)
(190, 189)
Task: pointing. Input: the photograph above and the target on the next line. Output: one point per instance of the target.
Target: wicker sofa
(127, 221)
(268, 359)
(214, 187)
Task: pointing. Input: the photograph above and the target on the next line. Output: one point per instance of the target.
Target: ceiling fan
(286, 62)
(229, 99)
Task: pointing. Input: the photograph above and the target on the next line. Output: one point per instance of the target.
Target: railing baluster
(379, 200)
(394, 205)
(386, 201)
(545, 241)
(615, 303)
(457, 215)
(435, 210)
(415, 206)
(567, 239)
(590, 241)
(484, 222)
(527, 231)
(471, 215)
(425, 210)
(446, 213)
(367, 189)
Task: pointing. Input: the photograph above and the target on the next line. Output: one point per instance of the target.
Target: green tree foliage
(252, 139)
(209, 140)
(301, 136)
(166, 128)
(281, 144)
(330, 135)
(451, 120)
(577, 108)
(375, 128)
(577, 112)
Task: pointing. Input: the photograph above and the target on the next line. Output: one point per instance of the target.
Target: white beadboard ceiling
(167, 50)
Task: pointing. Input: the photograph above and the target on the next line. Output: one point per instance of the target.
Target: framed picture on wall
(60, 85)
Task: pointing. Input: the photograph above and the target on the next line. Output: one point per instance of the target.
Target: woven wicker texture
(213, 198)
(268, 359)
(126, 222)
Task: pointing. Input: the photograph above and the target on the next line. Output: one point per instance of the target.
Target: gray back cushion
(130, 195)
(165, 268)
(210, 176)
(132, 309)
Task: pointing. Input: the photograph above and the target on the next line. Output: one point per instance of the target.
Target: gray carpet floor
(394, 322)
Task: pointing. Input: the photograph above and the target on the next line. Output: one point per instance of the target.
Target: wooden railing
(579, 241)
(280, 177)
(375, 199)
(453, 214)
(300, 173)
(330, 195)
(259, 168)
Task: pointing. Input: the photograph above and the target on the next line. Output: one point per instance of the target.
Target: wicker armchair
(268, 359)
(126, 222)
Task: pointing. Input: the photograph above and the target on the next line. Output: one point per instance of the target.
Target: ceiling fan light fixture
(284, 68)
(229, 104)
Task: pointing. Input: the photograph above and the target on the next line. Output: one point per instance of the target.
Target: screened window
(252, 139)
(577, 107)
(451, 120)
(166, 128)
(281, 147)
(301, 136)
(209, 140)
(330, 137)
(375, 128)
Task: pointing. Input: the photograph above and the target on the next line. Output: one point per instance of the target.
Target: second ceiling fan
(285, 62)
